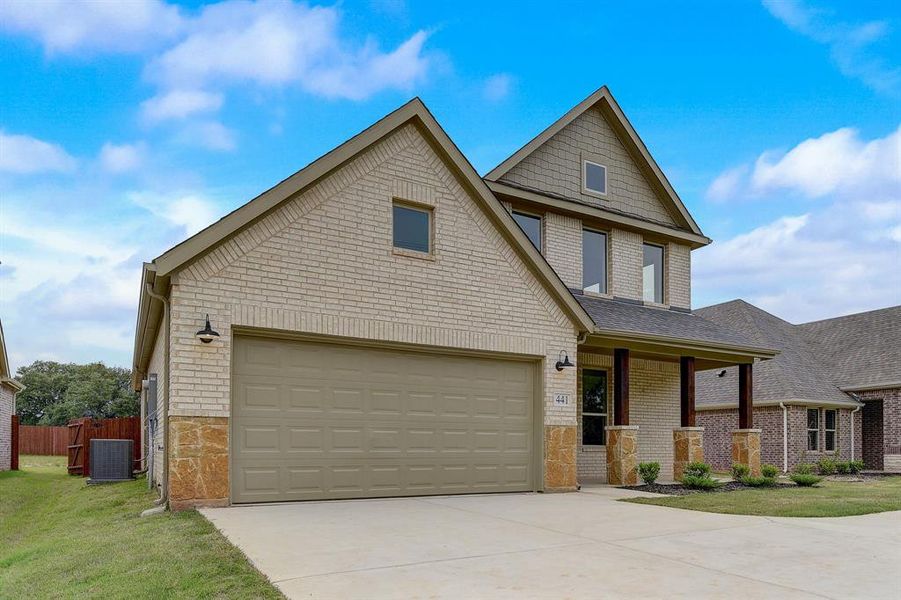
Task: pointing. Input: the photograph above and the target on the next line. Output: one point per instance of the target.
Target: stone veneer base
(198, 462)
(746, 449)
(560, 458)
(622, 455)
(688, 447)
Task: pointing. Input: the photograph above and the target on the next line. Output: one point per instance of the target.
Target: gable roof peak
(611, 111)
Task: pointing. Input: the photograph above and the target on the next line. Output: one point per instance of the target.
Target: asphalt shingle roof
(860, 350)
(815, 359)
(636, 318)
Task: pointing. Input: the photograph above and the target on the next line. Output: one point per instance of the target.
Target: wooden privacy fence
(43, 439)
(82, 431)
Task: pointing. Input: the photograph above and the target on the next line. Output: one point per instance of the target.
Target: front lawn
(828, 499)
(60, 538)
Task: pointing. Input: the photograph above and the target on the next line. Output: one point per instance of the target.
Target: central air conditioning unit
(111, 460)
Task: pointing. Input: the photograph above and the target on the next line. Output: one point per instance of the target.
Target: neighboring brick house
(9, 387)
(385, 322)
(833, 390)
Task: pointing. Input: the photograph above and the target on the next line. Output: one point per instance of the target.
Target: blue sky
(125, 127)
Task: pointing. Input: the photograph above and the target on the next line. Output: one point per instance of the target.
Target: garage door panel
(319, 421)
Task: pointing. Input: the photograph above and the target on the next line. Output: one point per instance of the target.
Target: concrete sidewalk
(575, 545)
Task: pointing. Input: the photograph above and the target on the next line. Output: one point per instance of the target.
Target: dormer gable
(592, 155)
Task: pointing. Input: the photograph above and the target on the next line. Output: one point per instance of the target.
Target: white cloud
(277, 42)
(839, 256)
(211, 135)
(497, 87)
(727, 184)
(838, 162)
(121, 158)
(178, 104)
(190, 211)
(86, 25)
(850, 45)
(23, 154)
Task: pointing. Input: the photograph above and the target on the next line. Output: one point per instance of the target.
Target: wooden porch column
(687, 390)
(745, 397)
(620, 386)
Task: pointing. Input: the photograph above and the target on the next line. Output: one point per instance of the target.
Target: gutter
(163, 501)
(787, 401)
(785, 437)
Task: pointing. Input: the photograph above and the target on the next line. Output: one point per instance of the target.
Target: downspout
(785, 437)
(163, 501)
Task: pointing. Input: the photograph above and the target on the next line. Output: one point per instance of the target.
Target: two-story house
(385, 322)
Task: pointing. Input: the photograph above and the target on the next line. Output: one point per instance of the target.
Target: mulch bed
(677, 489)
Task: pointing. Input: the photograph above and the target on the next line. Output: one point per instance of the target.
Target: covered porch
(636, 391)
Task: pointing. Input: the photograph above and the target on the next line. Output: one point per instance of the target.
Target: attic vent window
(594, 178)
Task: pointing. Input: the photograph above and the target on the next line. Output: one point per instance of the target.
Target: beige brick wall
(157, 365)
(7, 408)
(563, 247)
(626, 257)
(677, 281)
(323, 264)
(556, 167)
(653, 406)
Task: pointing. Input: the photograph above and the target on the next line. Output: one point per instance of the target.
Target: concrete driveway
(576, 545)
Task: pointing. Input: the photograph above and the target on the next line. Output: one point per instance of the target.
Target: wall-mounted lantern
(563, 363)
(207, 334)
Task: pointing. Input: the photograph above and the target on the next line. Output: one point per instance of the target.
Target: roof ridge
(850, 315)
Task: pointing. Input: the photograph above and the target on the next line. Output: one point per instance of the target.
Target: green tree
(56, 393)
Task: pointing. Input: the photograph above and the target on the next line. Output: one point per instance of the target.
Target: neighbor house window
(594, 177)
(531, 225)
(830, 430)
(594, 408)
(813, 429)
(652, 273)
(412, 228)
(594, 261)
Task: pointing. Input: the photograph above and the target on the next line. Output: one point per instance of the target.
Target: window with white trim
(813, 429)
(412, 228)
(831, 426)
(594, 178)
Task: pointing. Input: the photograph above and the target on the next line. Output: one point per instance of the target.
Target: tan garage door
(314, 421)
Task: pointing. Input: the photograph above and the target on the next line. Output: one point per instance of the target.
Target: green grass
(60, 538)
(828, 499)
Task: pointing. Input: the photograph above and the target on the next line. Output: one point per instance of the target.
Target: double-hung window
(831, 420)
(652, 273)
(594, 407)
(594, 261)
(813, 429)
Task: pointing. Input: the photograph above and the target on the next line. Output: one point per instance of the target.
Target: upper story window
(813, 429)
(594, 178)
(594, 261)
(652, 273)
(412, 228)
(531, 225)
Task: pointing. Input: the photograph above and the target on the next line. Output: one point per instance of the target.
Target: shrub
(698, 482)
(740, 471)
(648, 471)
(855, 466)
(805, 479)
(804, 469)
(759, 481)
(769, 471)
(697, 476)
(826, 466)
(696, 469)
(842, 467)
